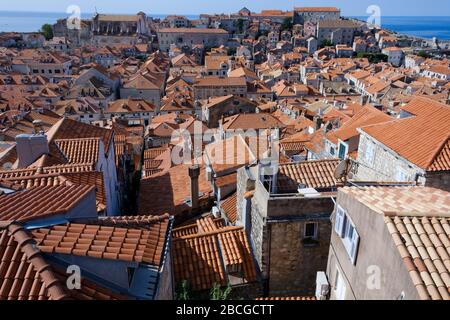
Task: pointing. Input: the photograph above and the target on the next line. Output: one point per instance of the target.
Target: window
(351, 240)
(339, 221)
(339, 286)
(342, 150)
(345, 228)
(310, 231)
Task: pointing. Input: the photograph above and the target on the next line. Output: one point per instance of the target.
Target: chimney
(194, 173)
(37, 126)
(30, 147)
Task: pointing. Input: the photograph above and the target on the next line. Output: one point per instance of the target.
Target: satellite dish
(341, 170)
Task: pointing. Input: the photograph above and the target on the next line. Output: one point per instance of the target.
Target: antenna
(341, 169)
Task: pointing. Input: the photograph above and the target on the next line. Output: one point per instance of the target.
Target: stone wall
(294, 264)
(386, 163)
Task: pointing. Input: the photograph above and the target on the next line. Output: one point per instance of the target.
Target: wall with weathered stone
(386, 163)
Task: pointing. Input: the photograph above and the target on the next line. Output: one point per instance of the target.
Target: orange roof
(422, 138)
(316, 9)
(229, 207)
(206, 258)
(251, 121)
(79, 150)
(97, 241)
(220, 82)
(314, 174)
(366, 116)
(175, 183)
(41, 202)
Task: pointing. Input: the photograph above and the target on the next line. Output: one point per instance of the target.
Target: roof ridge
(211, 233)
(29, 248)
(438, 150)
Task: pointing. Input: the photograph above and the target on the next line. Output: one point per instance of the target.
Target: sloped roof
(423, 138)
(314, 174)
(105, 242)
(204, 258)
(364, 117)
(41, 202)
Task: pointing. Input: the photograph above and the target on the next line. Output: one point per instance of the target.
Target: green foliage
(287, 24)
(373, 57)
(47, 31)
(218, 294)
(326, 43)
(423, 54)
(183, 291)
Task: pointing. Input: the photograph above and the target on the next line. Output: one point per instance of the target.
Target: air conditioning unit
(322, 286)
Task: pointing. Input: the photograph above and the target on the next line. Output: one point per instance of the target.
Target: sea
(424, 27)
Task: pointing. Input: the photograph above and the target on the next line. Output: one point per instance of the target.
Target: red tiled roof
(364, 117)
(41, 202)
(175, 183)
(79, 150)
(425, 253)
(144, 246)
(422, 138)
(314, 174)
(24, 273)
(229, 207)
(204, 259)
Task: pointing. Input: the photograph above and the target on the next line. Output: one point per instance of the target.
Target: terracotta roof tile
(80, 150)
(411, 201)
(24, 273)
(423, 138)
(41, 202)
(314, 174)
(229, 206)
(175, 183)
(425, 253)
(206, 258)
(144, 245)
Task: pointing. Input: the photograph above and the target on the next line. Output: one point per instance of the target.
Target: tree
(183, 291)
(423, 54)
(47, 31)
(218, 294)
(326, 43)
(287, 24)
(373, 57)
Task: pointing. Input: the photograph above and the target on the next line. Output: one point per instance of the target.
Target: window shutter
(354, 246)
(339, 223)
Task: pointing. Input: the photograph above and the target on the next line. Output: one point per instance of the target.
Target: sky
(348, 7)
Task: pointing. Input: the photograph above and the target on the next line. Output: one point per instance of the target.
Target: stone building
(189, 37)
(413, 148)
(287, 218)
(387, 244)
(123, 29)
(315, 14)
(336, 31)
(216, 108)
(208, 87)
